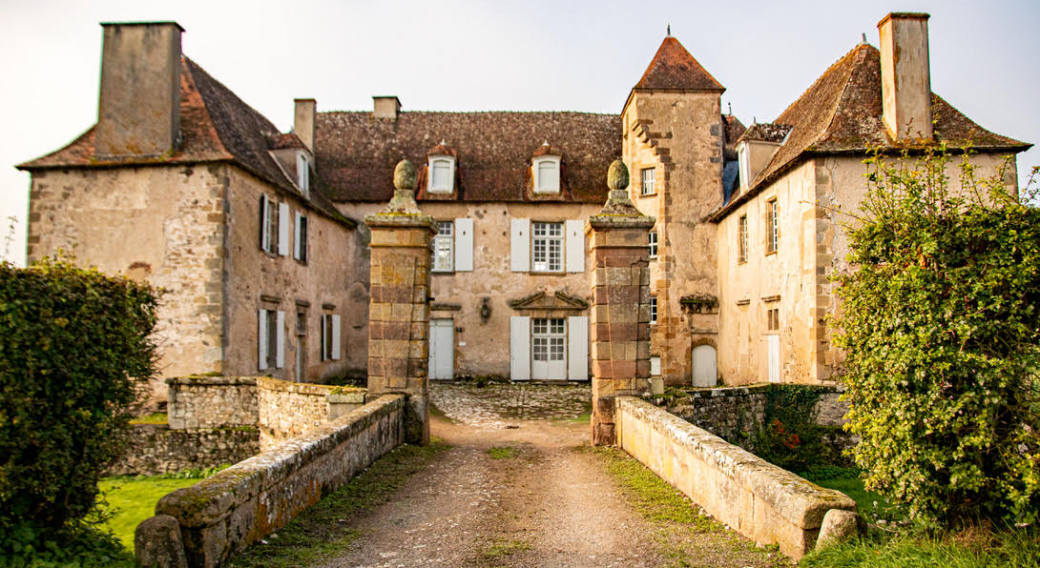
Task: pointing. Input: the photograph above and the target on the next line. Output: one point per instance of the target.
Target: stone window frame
(443, 239)
(644, 174)
(742, 239)
(431, 164)
(772, 226)
(548, 239)
(772, 318)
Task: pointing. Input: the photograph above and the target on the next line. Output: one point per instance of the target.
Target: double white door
(549, 349)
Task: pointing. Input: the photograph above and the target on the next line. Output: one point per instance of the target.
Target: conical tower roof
(673, 68)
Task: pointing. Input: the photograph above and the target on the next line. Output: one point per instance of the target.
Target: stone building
(181, 183)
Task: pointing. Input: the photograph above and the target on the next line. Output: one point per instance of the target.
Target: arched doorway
(705, 372)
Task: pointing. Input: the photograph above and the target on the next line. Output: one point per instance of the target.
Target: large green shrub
(74, 344)
(941, 328)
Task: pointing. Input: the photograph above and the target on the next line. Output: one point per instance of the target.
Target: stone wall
(154, 449)
(757, 499)
(211, 402)
(287, 410)
(222, 515)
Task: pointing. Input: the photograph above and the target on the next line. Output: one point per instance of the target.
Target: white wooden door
(705, 371)
(773, 346)
(442, 349)
(549, 349)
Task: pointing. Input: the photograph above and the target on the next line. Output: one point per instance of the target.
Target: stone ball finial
(617, 175)
(404, 175)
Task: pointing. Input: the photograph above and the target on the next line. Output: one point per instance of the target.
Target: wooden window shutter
(575, 234)
(520, 348)
(261, 340)
(520, 245)
(335, 337)
(463, 245)
(578, 348)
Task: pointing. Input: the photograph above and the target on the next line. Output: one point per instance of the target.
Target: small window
(442, 174)
(301, 345)
(443, 245)
(547, 175)
(303, 172)
(653, 309)
(647, 176)
(269, 223)
(272, 339)
(300, 245)
(742, 240)
(652, 237)
(330, 337)
(547, 247)
(773, 319)
(772, 226)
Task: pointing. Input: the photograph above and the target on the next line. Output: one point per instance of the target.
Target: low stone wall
(220, 516)
(761, 501)
(287, 409)
(153, 449)
(211, 402)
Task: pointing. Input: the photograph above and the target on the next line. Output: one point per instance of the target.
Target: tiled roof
(673, 68)
(841, 114)
(766, 132)
(216, 126)
(734, 129)
(355, 154)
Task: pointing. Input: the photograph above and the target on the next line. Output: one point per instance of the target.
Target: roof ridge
(576, 112)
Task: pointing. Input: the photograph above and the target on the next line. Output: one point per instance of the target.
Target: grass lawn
(979, 549)
(132, 500)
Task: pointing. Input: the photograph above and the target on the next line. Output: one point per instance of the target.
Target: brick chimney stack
(303, 123)
(906, 87)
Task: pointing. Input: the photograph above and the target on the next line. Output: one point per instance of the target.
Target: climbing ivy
(941, 327)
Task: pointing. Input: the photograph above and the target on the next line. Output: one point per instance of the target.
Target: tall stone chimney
(303, 123)
(139, 109)
(386, 107)
(906, 87)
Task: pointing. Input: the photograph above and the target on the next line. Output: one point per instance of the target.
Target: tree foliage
(941, 327)
(74, 345)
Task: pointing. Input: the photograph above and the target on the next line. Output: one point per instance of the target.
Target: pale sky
(495, 55)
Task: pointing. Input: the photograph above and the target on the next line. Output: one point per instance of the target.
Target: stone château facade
(255, 234)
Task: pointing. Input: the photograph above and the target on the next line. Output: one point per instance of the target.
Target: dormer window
(744, 157)
(547, 174)
(303, 172)
(442, 174)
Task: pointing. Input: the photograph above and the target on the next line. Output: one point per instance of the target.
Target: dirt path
(510, 492)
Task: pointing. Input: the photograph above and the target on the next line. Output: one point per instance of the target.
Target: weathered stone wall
(212, 402)
(328, 283)
(287, 410)
(679, 135)
(757, 499)
(153, 449)
(160, 224)
(222, 515)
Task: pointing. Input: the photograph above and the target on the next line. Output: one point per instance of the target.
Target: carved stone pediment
(542, 301)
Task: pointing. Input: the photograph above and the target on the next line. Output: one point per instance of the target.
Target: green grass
(132, 500)
(1002, 549)
(324, 529)
(499, 549)
(153, 418)
(502, 452)
(437, 412)
(848, 480)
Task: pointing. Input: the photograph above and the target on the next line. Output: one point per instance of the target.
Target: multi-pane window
(652, 237)
(742, 240)
(773, 319)
(653, 309)
(647, 175)
(548, 339)
(547, 247)
(772, 226)
(443, 243)
(268, 225)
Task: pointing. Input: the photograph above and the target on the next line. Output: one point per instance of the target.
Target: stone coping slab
(207, 380)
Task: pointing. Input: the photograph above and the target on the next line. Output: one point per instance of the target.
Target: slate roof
(673, 68)
(766, 132)
(216, 126)
(355, 154)
(841, 114)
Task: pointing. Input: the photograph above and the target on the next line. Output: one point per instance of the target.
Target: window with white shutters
(300, 240)
(443, 247)
(268, 225)
(548, 339)
(330, 337)
(547, 247)
(271, 339)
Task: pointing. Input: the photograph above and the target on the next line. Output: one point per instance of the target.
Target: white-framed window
(647, 177)
(330, 337)
(653, 309)
(444, 247)
(742, 239)
(652, 238)
(303, 172)
(772, 226)
(743, 158)
(548, 339)
(271, 339)
(547, 174)
(300, 238)
(274, 226)
(442, 174)
(547, 247)
(655, 366)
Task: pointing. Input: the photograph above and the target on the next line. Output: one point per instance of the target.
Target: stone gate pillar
(399, 303)
(620, 322)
